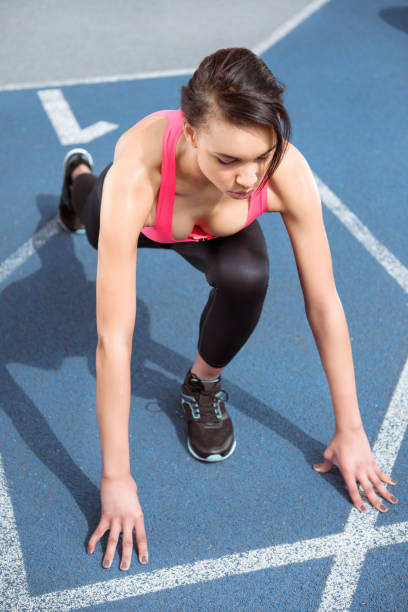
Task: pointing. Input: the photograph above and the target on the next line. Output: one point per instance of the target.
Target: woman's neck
(188, 170)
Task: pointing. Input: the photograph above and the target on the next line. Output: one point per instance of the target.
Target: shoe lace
(207, 405)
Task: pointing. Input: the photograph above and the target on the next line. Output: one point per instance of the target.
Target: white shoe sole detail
(83, 152)
(211, 458)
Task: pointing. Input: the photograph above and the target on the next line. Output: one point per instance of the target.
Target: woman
(195, 180)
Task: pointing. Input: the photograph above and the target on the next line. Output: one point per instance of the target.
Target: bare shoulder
(292, 187)
(143, 142)
(136, 165)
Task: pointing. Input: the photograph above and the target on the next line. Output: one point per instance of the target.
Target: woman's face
(234, 158)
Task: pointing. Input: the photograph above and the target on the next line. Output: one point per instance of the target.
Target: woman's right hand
(121, 512)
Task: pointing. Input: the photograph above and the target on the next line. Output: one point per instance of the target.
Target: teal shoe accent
(211, 458)
(190, 402)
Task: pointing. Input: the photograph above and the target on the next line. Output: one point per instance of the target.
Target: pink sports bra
(161, 231)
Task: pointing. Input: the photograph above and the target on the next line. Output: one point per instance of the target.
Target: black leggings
(237, 268)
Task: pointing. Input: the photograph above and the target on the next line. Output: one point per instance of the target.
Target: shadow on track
(48, 317)
(396, 16)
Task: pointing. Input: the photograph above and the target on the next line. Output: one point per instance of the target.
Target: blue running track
(271, 533)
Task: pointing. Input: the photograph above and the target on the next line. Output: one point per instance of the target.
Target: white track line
(288, 26)
(16, 259)
(64, 121)
(188, 574)
(343, 578)
(263, 46)
(13, 578)
(212, 569)
(156, 74)
(383, 256)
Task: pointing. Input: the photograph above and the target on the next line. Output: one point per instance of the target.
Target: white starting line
(348, 548)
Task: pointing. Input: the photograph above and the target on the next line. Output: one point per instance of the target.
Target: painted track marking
(349, 547)
(64, 122)
(288, 26)
(20, 256)
(383, 256)
(349, 558)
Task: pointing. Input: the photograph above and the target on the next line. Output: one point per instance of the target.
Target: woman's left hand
(351, 452)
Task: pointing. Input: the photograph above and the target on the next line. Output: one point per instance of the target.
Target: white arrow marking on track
(64, 123)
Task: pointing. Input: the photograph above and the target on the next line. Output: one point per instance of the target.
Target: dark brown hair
(238, 85)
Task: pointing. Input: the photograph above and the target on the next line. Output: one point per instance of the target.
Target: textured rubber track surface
(262, 530)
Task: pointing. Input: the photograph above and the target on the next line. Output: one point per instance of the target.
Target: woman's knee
(247, 275)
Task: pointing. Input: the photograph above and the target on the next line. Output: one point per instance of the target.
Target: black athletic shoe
(210, 430)
(67, 219)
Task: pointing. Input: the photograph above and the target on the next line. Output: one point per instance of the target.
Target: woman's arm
(303, 219)
(126, 202)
